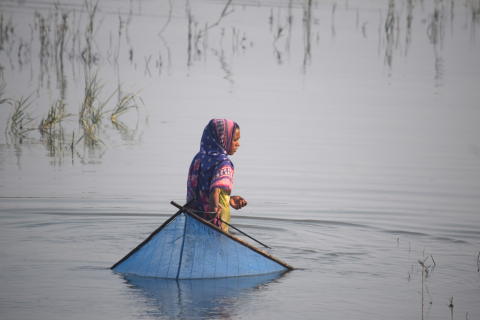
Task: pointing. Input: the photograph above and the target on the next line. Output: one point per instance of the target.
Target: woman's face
(235, 142)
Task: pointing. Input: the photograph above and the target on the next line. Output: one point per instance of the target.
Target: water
(359, 156)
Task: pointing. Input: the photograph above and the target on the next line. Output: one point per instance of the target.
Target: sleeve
(223, 177)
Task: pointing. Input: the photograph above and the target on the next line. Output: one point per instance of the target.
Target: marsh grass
(20, 118)
(126, 102)
(88, 56)
(56, 114)
(425, 273)
(43, 25)
(60, 31)
(56, 30)
(6, 31)
(450, 305)
(92, 110)
(2, 92)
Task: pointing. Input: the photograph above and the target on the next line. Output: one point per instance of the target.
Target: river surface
(359, 156)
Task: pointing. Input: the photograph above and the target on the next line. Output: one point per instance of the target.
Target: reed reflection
(54, 32)
(59, 36)
(436, 35)
(408, 36)
(307, 24)
(200, 298)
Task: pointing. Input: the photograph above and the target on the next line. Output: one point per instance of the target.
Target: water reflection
(307, 20)
(436, 34)
(198, 299)
(57, 30)
(57, 35)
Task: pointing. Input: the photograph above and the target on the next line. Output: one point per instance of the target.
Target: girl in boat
(210, 178)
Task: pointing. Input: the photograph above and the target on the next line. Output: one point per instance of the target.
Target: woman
(210, 178)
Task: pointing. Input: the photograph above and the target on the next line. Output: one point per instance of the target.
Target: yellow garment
(224, 202)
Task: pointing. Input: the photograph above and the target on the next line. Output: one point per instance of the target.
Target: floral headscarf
(211, 168)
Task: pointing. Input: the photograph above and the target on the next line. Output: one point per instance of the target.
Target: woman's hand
(216, 212)
(237, 202)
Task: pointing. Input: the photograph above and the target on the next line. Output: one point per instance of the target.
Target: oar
(187, 210)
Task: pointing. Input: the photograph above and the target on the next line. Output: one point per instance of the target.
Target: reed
(2, 92)
(6, 31)
(92, 109)
(43, 24)
(60, 31)
(425, 271)
(90, 123)
(93, 87)
(20, 118)
(170, 11)
(55, 115)
(1, 31)
(426, 287)
(126, 102)
(87, 54)
(451, 305)
(434, 263)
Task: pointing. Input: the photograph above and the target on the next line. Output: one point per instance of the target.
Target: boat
(189, 247)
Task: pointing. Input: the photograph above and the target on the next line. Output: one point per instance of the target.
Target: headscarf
(211, 168)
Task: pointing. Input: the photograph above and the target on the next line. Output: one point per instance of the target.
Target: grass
(126, 102)
(92, 109)
(451, 305)
(87, 55)
(20, 118)
(56, 114)
(55, 31)
(2, 92)
(425, 272)
(61, 31)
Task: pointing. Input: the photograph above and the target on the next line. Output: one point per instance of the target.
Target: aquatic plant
(126, 102)
(60, 31)
(434, 263)
(43, 25)
(55, 115)
(6, 31)
(93, 87)
(222, 15)
(426, 287)
(88, 56)
(90, 115)
(2, 92)
(20, 117)
(425, 270)
(451, 305)
(170, 3)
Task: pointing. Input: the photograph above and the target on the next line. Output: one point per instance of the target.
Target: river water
(359, 156)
